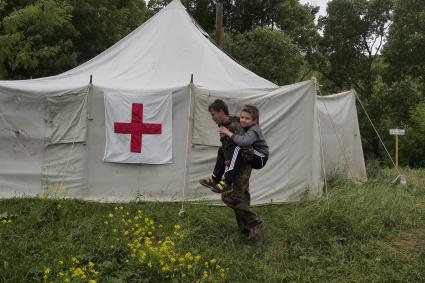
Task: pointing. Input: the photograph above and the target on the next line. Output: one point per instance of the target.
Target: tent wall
(289, 123)
(340, 135)
(124, 182)
(53, 143)
(33, 126)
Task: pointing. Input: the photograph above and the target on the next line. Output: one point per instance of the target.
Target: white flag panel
(138, 128)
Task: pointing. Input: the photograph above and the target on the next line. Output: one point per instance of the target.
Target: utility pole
(218, 21)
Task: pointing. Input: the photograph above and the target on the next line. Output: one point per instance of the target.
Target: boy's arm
(245, 139)
(235, 128)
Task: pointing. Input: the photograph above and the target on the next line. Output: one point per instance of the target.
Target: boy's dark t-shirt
(233, 125)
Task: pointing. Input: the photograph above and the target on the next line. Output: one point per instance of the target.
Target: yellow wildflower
(78, 272)
(75, 260)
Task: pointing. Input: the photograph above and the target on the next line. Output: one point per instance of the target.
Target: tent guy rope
(377, 133)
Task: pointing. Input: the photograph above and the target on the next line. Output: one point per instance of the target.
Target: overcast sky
(321, 3)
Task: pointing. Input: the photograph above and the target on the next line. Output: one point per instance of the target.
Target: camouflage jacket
(228, 145)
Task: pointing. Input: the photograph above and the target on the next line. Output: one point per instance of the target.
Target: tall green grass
(354, 233)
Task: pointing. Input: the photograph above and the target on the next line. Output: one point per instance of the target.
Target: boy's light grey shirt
(253, 136)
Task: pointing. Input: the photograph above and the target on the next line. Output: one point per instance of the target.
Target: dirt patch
(408, 244)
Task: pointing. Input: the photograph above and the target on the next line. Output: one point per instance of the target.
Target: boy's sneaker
(222, 187)
(208, 182)
(255, 230)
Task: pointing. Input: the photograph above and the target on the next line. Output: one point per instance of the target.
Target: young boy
(220, 114)
(252, 136)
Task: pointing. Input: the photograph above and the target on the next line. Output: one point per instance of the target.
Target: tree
(37, 40)
(404, 52)
(353, 34)
(46, 37)
(102, 23)
(269, 53)
(412, 147)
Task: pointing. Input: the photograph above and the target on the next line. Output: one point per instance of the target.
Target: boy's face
(246, 120)
(219, 117)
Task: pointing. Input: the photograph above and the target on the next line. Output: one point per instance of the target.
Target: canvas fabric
(340, 134)
(138, 127)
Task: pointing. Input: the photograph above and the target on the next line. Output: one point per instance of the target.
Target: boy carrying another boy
(252, 136)
(249, 146)
(238, 198)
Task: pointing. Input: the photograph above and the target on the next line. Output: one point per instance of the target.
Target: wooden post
(396, 133)
(396, 151)
(218, 21)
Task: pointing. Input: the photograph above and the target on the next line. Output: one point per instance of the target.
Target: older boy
(238, 197)
(220, 114)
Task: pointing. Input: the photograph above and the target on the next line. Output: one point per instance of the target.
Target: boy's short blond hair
(253, 111)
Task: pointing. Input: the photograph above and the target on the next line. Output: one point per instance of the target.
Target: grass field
(373, 232)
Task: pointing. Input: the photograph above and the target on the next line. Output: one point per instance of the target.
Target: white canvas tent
(340, 136)
(52, 130)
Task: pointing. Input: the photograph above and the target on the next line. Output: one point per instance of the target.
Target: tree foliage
(353, 33)
(269, 53)
(37, 37)
(405, 49)
(45, 37)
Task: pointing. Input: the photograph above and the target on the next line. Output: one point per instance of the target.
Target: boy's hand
(224, 131)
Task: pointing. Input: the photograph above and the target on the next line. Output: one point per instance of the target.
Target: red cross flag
(138, 128)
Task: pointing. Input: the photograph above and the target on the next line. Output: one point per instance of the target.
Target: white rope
(340, 141)
(376, 131)
(189, 123)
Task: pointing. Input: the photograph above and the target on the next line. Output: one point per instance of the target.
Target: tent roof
(161, 53)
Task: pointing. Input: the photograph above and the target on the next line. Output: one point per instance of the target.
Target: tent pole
(89, 117)
(218, 22)
(182, 212)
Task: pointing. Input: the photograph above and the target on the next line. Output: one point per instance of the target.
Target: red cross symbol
(137, 128)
